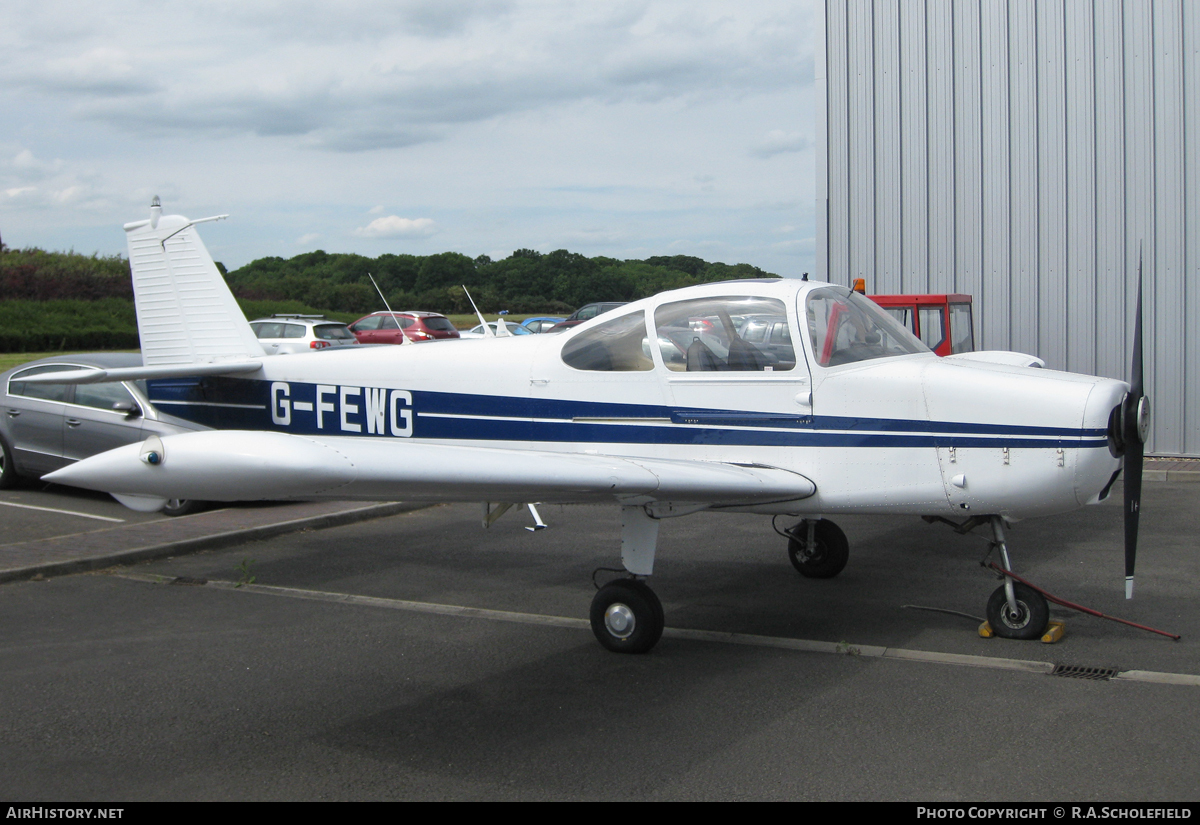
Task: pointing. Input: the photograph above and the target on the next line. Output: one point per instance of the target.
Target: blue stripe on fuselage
(461, 416)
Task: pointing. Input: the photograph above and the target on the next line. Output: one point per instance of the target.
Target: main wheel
(182, 506)
(8, 470)
(1030, 620)
(827, 558)
(627, 617)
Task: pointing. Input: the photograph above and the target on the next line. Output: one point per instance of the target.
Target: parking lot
(418, 656)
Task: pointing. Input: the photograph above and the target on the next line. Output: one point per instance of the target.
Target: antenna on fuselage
(487, 331)
(404, 339)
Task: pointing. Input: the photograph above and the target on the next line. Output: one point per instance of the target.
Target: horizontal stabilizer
(95, 376)
(237, 465)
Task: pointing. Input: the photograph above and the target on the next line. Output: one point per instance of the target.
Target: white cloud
(307, 238)
(394, 226)
(777, 141)
(604, 128)
(392, 74)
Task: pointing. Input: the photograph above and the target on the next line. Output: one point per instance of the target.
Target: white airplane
(671, 405)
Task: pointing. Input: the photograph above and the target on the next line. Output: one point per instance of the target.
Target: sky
(626, 129)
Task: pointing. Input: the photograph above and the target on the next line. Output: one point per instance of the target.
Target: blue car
(541, 323)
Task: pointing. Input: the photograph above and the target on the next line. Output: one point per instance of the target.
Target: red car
(386, 327)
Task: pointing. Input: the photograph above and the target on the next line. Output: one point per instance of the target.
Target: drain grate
(188, 580)
(1079, 672)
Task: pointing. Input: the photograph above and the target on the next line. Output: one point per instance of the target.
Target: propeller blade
(1136, 419)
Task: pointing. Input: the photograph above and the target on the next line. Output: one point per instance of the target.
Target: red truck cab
(943, 322)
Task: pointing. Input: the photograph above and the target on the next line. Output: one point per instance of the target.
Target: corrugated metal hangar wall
(1022, 152)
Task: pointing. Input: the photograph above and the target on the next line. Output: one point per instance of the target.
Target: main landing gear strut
(626, 615)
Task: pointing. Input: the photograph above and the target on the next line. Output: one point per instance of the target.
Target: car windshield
(333, 332)
(438, 323)
(846, 327)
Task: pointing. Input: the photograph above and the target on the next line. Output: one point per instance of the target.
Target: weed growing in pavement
(244, 569)
(846, 649)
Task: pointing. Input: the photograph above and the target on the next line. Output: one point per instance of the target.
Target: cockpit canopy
(741, 333)
(846, 327)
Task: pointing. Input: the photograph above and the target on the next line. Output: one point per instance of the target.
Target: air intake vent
(1077, 672)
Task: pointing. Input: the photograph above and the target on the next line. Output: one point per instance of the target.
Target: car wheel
(183, 506)
(8, 470)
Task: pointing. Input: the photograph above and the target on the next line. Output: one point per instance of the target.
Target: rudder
(185, 311)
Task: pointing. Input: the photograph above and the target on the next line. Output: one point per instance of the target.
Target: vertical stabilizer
(185, 311)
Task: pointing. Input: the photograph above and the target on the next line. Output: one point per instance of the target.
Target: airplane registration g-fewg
(781, 397)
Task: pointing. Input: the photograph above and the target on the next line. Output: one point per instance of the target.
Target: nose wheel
(1027, 621)
(627, 617)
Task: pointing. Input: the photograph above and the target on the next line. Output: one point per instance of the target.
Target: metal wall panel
(1051, 268)
(992, 316)
(1023, 152)
(914, 194)
(1191, 212)
(1111, 357)
(1168, 229)
(968, 152)
(1139, 179)
(837, 142)
(1023, 175)
(860, 76)
(939, 219)
(887, 146)
(1080, 208)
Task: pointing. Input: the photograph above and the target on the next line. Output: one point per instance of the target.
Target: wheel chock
(985, 631)
(1054, 632)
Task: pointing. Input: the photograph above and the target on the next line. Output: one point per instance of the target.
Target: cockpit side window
(846, 327)
(734, 333)
(619, 345)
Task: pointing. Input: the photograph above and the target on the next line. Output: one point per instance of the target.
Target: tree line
(526, 281)
(65, 300)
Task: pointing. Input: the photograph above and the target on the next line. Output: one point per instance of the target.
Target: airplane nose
(1097, 464)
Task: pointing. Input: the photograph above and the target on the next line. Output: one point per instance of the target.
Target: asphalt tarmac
(422, 657)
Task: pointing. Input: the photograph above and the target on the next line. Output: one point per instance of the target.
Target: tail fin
(186, 313)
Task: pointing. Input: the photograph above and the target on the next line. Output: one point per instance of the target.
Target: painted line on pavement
(721, 637)
(65, 512)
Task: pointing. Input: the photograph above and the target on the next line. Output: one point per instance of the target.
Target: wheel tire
(627, 617)
(183, 506)
(1032, 618)
(828, 558)
(8, 470)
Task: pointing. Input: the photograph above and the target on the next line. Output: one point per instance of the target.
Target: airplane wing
(229, 465)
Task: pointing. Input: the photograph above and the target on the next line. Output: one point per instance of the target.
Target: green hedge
(40, 326)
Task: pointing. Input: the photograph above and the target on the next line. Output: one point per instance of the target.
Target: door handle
(13, 413)
(73, 422)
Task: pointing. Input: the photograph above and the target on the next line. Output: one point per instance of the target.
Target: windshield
(333, 332)
(846, 327)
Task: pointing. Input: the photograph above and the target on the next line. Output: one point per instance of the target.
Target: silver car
(46, 426)
(285, 334)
